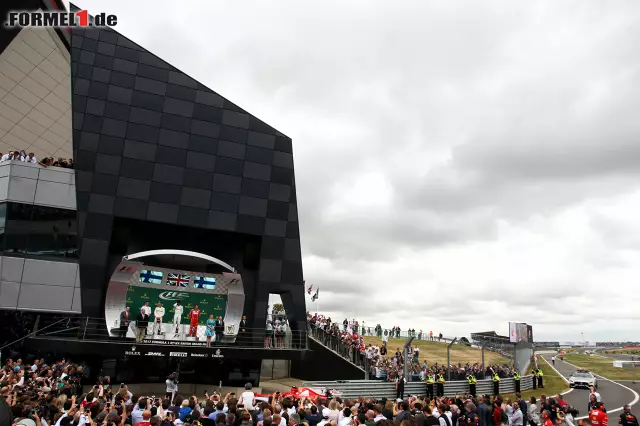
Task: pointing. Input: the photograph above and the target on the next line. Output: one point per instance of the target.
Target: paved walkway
(614, 395)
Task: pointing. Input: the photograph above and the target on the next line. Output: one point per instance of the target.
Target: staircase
(327, 361)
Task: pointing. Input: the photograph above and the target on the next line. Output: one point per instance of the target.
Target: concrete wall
(40, 285)
(524, 352)
(28, 183)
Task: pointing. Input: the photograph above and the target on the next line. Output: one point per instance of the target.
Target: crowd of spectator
(388, 365)
(16, 155)
(65, 163)
(38, 393)
(41, 394)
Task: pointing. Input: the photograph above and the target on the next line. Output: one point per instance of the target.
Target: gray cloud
(457, 167)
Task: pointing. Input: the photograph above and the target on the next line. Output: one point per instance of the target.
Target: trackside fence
(379, 389)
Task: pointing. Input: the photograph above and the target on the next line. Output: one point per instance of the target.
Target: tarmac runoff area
(615, 394)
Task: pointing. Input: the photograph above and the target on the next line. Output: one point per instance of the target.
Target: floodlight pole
(483, 345)
(405, 368)
(449, 358)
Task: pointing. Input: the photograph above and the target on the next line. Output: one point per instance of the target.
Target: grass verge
(603, 366)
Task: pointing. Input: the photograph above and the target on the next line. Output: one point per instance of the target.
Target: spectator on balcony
(30, 158)
(268, 334)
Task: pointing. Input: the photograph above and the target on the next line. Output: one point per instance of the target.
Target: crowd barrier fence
(380, 389)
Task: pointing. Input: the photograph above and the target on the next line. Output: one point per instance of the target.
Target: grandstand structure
(491, 340)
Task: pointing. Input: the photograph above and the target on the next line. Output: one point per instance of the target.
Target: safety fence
(379, 389)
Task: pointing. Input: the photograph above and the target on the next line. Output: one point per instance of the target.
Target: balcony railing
(344, 350)
(96, 330)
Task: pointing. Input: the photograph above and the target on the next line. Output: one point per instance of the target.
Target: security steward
(440, 388)
(496, 384)
(540, 375)
(471, 379)
(534, 376)
(516, 379)
(431, 379)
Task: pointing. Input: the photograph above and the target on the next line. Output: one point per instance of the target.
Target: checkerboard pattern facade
(152, 143)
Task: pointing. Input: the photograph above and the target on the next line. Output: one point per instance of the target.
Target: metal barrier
(378, 389)
(336, 345)
(96, 329)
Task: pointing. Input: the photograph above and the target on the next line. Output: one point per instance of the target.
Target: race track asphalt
(614, 395)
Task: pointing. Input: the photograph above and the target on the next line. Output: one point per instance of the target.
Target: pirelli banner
(207, 303)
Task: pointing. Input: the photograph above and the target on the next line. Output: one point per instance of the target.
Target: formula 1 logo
(81, 18)
(173, 295)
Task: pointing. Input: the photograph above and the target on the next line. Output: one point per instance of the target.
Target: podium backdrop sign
(207, 303)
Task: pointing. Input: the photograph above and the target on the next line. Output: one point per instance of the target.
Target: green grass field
(603, 366)
(437, 352)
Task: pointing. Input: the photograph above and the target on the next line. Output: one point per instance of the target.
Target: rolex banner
(207, 303)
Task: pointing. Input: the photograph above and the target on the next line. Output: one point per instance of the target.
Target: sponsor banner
(179, 354)
(132, 351)
(197, 355)
(218, 354)
(174, 342)
(154, 354)
(207, 303)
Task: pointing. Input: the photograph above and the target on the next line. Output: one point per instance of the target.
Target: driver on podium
(194, 317)
(158, 313)
(177, 315)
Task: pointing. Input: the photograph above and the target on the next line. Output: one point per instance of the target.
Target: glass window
(53, 232)
(207, 283)
(38, 230)
(3, 214)
(18, 224)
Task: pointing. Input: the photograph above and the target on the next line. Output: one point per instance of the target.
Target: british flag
(178, 280)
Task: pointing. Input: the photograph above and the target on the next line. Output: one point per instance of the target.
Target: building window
(38, 230)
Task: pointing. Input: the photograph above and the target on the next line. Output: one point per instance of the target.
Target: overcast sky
(458, 164)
